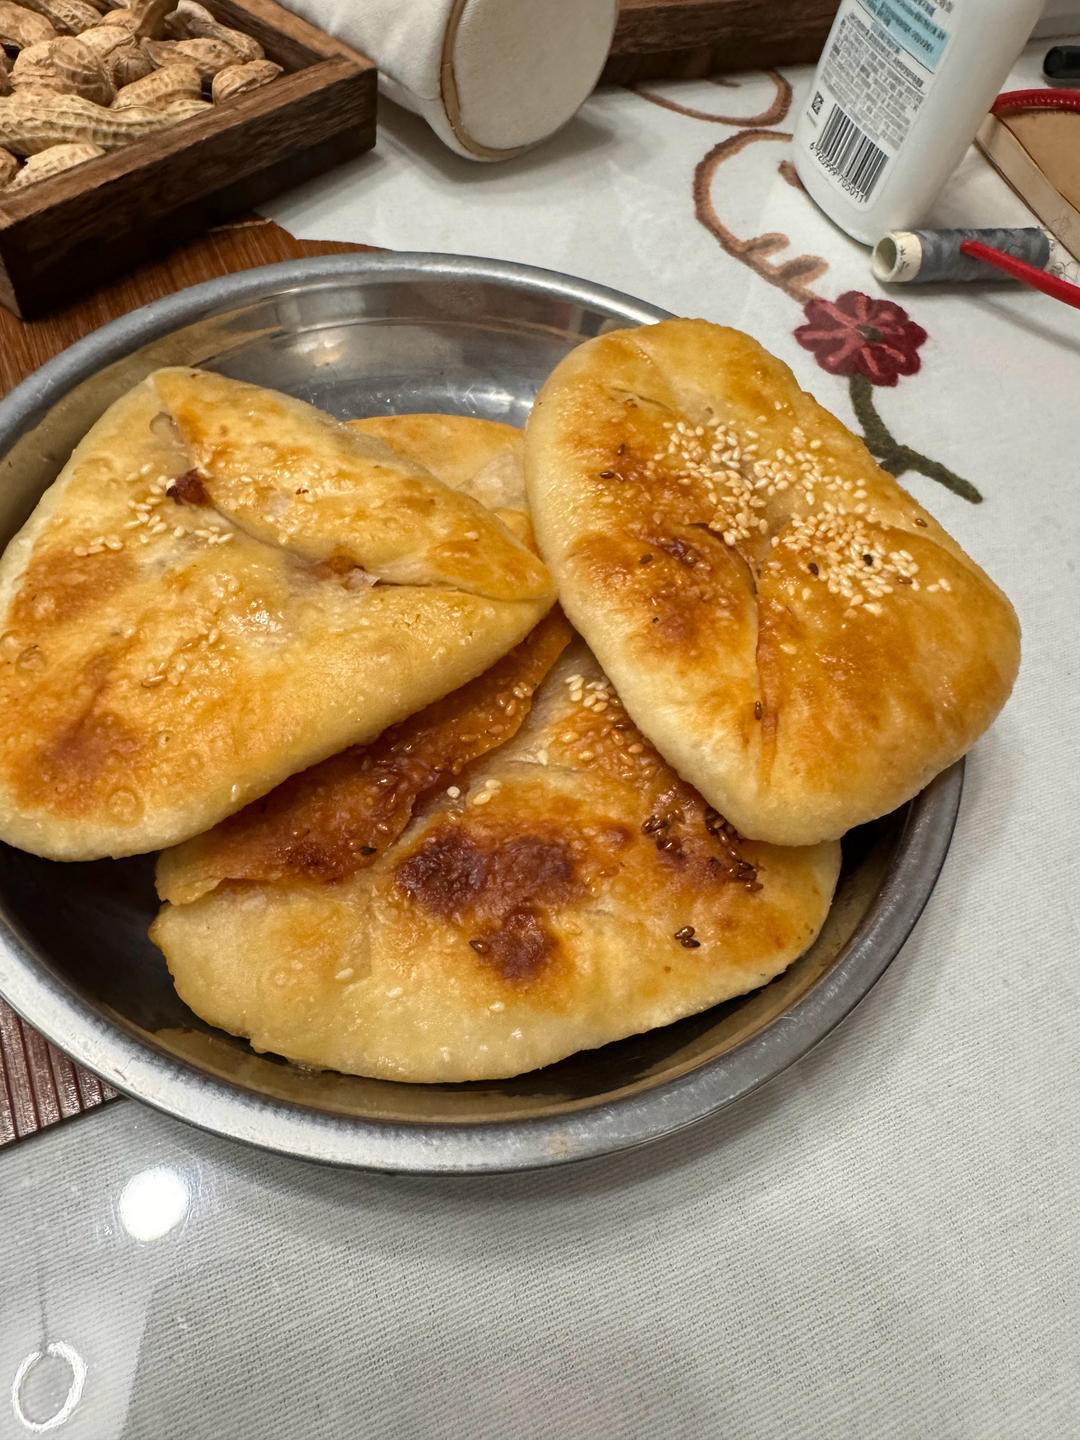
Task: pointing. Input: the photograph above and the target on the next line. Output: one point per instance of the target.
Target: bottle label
(880, 63)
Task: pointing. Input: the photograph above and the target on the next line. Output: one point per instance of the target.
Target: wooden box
(62, 235)
(685, 39)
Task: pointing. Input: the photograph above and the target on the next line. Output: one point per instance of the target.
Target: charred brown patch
(692, 839)
(454, 872)
(339, 568)
(188, 489)
(446, 875)
(677, 548)
(520, 948)
(498, 886)
(332, 820)
(731, 858)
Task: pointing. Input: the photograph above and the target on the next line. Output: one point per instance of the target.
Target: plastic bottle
(900, 90)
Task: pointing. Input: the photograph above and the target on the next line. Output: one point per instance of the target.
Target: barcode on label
(849, 154)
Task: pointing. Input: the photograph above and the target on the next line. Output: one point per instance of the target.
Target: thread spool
(924, 257)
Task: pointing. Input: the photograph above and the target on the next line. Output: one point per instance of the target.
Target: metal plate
(362, 335)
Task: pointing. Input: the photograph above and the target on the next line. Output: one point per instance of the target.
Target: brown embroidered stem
(771, 115)
(795, 276)
(897, 458)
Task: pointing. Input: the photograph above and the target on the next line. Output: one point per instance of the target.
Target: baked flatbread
(796, 635)
(482, 458)
(566, 890)
(223, 587)
(334, 819)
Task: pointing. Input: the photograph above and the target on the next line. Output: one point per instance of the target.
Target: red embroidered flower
(855, 335)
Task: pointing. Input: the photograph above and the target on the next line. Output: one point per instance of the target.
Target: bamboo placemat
(40, 1086)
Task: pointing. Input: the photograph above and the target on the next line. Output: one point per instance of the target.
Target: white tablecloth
(885, 1242)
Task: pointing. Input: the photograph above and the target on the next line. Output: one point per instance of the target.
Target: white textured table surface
(885, 1242)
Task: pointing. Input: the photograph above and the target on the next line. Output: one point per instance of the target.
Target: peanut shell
(73, 16)
(171, 83)
(145, 20)
(33, 68)
(239, 79)
(128, 62)
(191, 21)
(121, 54)
(9, 168)
(66, 66)
(103, 38)
(67, 17)
(20, 28)
(183, 107)
(32, 123)
(53, 161)
(208, 56)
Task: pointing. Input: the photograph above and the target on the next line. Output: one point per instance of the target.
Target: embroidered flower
(856, 335)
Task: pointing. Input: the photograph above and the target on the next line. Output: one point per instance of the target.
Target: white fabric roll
(491, 77)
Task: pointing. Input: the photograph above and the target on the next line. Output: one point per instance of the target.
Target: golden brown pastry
(335, 818)
(480, 457)
(223, 587)
(795, 634)
(292, 476)
(565, 890)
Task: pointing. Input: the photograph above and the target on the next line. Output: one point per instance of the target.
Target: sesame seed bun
(442, 906)
(795, 634)
(223, 587)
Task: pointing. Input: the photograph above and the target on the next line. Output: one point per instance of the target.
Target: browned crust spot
(69, 771)
(189, 489)
(333, 819)
(498, 887)
(59, 586)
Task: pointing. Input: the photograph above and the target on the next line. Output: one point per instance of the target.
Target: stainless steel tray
(362, 335)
